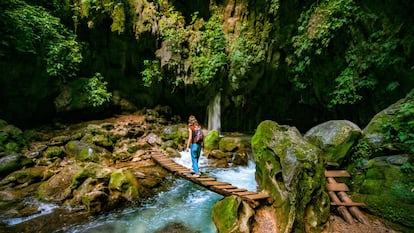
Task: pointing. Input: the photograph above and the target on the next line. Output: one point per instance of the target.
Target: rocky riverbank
(94, 167)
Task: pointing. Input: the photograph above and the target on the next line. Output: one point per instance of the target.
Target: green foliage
(209, 57)
(63, 58)
(118, 17)
(32, 30)
(248, 50)
(319, 25)
(346, 88)
(407, 168)
(371, 52)
(192, 54)
(274, 6)
(94, 10)
(402, 128)
(151, 72)
(374, 54)
(97, 91)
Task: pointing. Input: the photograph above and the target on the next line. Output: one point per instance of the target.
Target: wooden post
(353, 209)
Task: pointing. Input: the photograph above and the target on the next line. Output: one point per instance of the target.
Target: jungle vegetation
(295, 62)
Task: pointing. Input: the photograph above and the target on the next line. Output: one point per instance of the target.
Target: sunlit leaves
(211, 57)
(97, 91)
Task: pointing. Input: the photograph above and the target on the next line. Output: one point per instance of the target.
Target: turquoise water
(184, 204)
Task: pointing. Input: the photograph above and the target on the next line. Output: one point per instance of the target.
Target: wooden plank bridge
(223, 188)
(337, 191)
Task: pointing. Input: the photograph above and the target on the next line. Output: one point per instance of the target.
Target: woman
(194, 143)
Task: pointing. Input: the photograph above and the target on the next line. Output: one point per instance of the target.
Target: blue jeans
(195, 151)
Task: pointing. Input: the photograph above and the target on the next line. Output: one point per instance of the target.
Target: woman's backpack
(198, 135)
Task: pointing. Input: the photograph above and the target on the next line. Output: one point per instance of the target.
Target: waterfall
(214, 110)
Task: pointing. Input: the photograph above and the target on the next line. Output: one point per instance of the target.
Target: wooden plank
(337, 187)
(214, 183)
(258, 196)
(337, 173)
(183, 170)
(164, 160)
(168, 161)
(347, 204)
(206, 179)
(227, 186)
(236, 190)
(177, 166)
(188, 172)
(169, 166)
(245, 193)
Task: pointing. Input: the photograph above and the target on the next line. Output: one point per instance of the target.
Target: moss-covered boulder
(240, 158)
(61, 139)
(291, 170)
(232, 144)
(383, 163)
(25, 176)
(387, 188)
(11, 138)
(86, 152)
(174, 135)
(59, 187)
(335, 138)
(12, 162)
(124, 183)
(90, 187)
(103, 140)
(232, 215)
(389, 132)
(95, 171)
(211, 140)
(54, 151)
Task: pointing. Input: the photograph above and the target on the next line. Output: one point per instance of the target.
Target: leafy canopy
(28, 29)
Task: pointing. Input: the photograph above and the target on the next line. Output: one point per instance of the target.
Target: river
(184, 207)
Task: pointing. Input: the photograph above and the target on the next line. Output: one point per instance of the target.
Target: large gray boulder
(335, 138)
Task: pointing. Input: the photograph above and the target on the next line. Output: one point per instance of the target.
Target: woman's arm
(190, 136)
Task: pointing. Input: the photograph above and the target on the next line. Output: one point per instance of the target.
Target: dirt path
(338, 225)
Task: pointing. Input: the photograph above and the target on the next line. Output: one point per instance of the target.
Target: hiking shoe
(196, 175)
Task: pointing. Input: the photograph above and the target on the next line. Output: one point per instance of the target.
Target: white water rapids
(184, 203)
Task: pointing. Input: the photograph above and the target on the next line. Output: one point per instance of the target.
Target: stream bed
(184, 207)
